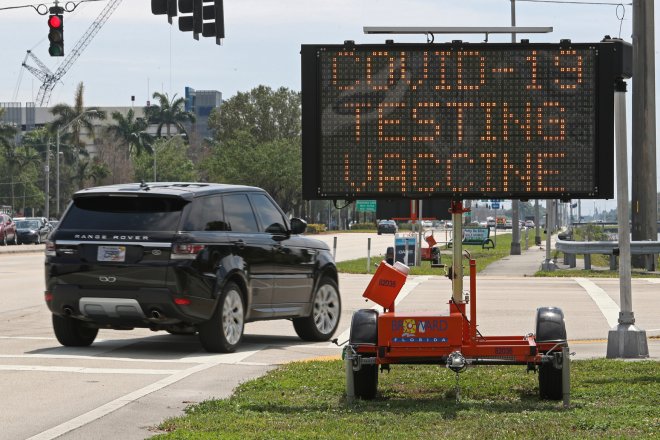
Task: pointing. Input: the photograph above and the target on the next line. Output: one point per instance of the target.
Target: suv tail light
(186, 251)
(50, 249)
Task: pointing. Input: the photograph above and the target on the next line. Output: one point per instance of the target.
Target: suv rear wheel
(322, 323)
(72, 332)
(224, 331)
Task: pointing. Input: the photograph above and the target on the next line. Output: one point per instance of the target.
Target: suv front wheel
(224, 331)
(322, 323)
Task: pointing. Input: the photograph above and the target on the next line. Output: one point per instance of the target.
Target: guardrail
(587, 248)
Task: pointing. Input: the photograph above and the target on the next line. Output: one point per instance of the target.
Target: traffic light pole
(625, 340)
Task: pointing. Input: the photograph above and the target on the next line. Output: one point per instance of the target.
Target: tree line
(256, 140)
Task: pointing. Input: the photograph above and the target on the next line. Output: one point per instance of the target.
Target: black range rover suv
(186, 258)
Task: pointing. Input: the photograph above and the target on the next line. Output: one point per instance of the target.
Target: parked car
(186, 258)
(387, 227)
(529, 223)
(32, 230)
(7, 230)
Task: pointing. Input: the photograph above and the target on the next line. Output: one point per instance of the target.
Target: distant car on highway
(7, 230)
(387, 227)
(529, 223)
(32, 230)
(427, 223)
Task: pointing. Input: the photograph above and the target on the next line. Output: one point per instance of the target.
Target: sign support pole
(625, 340)
(457, 257)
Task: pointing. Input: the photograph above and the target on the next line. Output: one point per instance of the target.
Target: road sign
(495, 205)
(460, 120)
(365, 206)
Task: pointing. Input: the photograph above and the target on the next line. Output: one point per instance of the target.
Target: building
(28, 117)
(201, 103)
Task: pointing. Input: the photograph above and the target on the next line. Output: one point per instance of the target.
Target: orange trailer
(379, 339)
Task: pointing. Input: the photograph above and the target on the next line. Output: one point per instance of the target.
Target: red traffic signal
(55, 21)
(56, 35)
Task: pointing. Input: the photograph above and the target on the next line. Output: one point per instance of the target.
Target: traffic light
(215, 28)
(161, 7)
(207, 18)
(56, 34)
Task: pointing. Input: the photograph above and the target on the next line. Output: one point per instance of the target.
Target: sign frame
(613, 60)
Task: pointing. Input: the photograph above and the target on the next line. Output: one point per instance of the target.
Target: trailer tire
(550, 382)
(366, 382)
(550, 326)
(364, 327)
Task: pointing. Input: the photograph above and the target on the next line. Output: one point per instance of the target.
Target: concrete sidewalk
(524, 265)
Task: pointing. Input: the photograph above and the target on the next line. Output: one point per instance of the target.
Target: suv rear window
(125, 213)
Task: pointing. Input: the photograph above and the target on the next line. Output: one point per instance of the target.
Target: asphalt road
(128, 382)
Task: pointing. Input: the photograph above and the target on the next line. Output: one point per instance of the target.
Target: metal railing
(587, 248)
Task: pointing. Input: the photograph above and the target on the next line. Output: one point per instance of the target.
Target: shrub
(315, 228)
(361, 226)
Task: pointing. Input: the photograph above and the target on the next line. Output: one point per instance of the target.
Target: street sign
(495, 205)
(460, 120)
(365, 206)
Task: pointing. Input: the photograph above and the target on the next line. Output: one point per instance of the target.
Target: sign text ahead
(459, 120)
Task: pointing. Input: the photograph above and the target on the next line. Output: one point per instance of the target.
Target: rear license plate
(111, 253)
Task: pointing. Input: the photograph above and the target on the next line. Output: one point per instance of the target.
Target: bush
(589, 233)
(363, 226)
(315, 228)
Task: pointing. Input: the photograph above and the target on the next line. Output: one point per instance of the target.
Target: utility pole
(47, 189)
(515, 204)
(625, 340)
(644, 184)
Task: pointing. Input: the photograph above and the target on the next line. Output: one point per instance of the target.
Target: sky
(137, 53)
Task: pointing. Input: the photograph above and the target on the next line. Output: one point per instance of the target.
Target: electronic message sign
(460, 120)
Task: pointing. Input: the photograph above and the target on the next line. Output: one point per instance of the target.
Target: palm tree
(7, 133)
(74, 119)
(132, 132)
(169, 113)
(83, 117)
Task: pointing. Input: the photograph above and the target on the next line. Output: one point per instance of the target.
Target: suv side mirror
(276, 228)
(298, 225)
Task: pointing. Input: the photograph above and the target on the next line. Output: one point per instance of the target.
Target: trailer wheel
(366, 382)
(550, 327)
(550, 382)
(364, 331)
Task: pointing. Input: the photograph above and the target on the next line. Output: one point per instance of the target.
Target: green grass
(484, 257)
(305, 400)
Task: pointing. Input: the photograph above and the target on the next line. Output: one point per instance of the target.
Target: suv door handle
(239, 244)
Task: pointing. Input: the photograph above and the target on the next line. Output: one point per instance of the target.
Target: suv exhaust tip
(155, 313)
(68, 311)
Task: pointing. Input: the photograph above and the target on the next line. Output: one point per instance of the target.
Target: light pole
(57, 157)
(47, 170)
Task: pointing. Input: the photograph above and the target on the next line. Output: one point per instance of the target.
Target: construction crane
(46, 76)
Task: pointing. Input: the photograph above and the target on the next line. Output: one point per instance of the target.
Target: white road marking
(84, 370)
(607, 306)
(33, 338)
(120, 402)
(653, 280)
(408, 287)
(92, 358)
